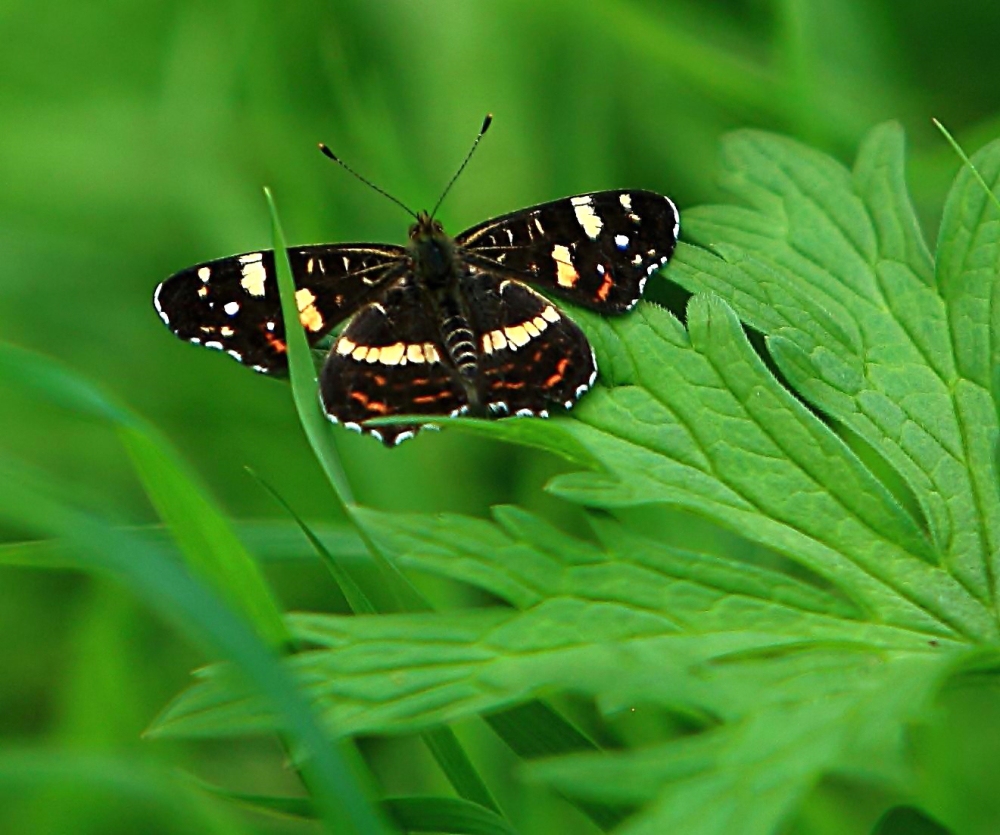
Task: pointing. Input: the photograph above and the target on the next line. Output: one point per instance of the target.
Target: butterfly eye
(438, 227)
(413, 231)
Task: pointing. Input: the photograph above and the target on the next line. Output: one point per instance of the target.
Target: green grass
(748, 585)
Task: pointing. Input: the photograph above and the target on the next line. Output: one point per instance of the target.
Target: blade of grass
(302, 374)
(267, 540)
(25, 500)
(443, 744)
(535, 730)
(202, 531)
(359, 602)
(118, 778)
(411, 814)
(964, 157)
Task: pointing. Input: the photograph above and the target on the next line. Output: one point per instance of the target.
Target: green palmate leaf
(747, 777)
(630, 621)
(848, 247)
(709, 429)
(792, 675)
(586, 612)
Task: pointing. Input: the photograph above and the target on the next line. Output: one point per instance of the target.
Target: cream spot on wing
(517, 335)
(204, 273)
(311, 319)
(499, 340)
(310, 264)
(550, 314)
(250, 257)
(540, 323)
(626, 201)
(529, 326)
(304, 298)
(359, 352)
(431, 352)
(566, 274)
(373, 354)
(202, 291)
(225, 330)
(487, 344)
(232, 308)
(415, 352)
(345, 346)
(392, 354)
(309, 316)
(254, 276)
(586, 217)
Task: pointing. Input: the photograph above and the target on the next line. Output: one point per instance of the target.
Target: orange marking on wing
(430, 398)
(370, 405)
(605, 288)
(560, 373)
(275, 343)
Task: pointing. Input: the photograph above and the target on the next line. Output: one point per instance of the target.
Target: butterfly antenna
(365, 180)
(486, 125)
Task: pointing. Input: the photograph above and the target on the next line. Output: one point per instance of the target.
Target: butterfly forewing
(596, 250)
(389, 360)
(232, 304)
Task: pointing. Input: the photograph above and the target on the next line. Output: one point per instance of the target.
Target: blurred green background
(134, 141)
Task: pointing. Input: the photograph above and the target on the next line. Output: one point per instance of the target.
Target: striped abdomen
(459, 342)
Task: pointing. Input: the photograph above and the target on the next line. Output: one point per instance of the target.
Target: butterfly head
(431, 248)
(426, 226)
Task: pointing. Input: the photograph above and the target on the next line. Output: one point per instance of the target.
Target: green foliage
(794, 676)
(759, 594)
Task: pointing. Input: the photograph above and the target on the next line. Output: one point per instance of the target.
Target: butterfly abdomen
(459, 342)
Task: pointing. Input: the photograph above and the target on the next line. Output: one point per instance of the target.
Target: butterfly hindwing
(232, 304)
(596, 250)
(389, 360)
(531, 355)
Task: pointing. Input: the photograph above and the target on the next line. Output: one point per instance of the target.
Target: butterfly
(443, 325)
